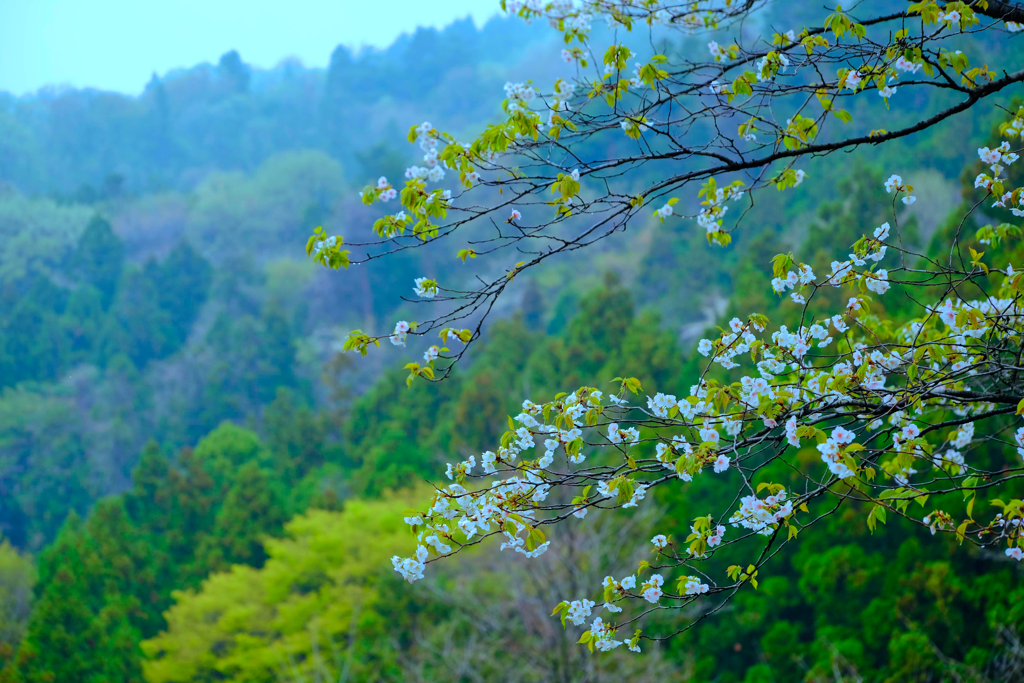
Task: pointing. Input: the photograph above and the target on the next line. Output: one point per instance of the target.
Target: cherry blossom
(425, 288)
(876, 405)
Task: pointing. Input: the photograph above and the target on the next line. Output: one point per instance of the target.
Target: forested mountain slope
(182, 441)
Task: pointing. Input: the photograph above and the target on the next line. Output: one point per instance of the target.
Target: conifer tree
(250, 511)
(99, 257)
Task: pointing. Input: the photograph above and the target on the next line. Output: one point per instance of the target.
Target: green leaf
(877, 514)
(843, 115)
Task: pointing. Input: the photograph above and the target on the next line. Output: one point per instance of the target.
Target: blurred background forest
(196, 485)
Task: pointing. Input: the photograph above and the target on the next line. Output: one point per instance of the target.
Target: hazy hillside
(87, 145)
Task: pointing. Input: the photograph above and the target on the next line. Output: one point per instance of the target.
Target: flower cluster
(411, 568)
(325, 245)
(835, 454)
(425, 288)
(717, 51)
(865, 250)
(732, 344)
(803, 275)
(771, 65)
(387, 192)
(895, 184)
(401, 331)
(997, 159)
(651, 590)
(951, 18)
(432, 169)
(710, 217)
(904, 64)
(629, 436)
(762, 515)
(579, 610)
(518, 97)
(603, 635)
(634, 126)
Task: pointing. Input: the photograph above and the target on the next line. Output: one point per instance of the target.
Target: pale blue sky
(118, 44)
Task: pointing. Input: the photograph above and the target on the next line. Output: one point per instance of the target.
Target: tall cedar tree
(99, 258)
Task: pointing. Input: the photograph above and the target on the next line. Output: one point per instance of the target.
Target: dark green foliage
(182, 281)
(82, 321)
(892, 606)
(62, 622)
(44, 472)
(156, 306)
(296, 436)
(137, 326)
(85, 623)
(99, 258)
(33, 341)
(250, 511)
(533, 307)
(601, 324)
(841, 600)
(253, 357)
(279, 353)
(234, 72)
(35, 346)
(105, 583)
(111, 310)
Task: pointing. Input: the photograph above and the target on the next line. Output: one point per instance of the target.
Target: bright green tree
(313, 609)
(17, 577)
